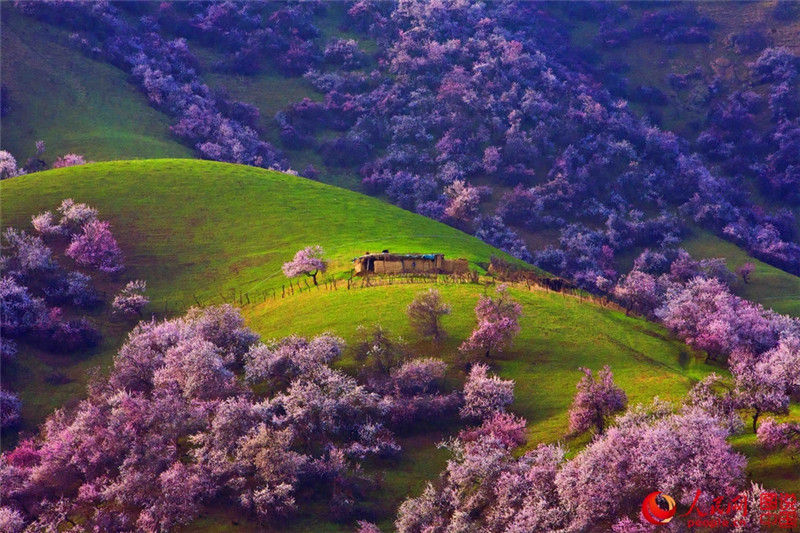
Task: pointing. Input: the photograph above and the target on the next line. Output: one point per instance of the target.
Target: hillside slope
(198, 229)
(72, 102)
(206, 232)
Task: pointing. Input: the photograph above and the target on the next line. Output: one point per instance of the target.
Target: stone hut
(389, 263)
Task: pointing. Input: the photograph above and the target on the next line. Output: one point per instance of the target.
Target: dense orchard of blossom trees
(461, 93)
(167, 72)
(173, 428)
(693, 300)
(470, 92)
(485, 487)
(43, 303)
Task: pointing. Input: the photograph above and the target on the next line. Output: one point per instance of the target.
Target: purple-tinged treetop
(485, 395)
(96, 247)
(596, 400)
(498, 323)
(69, 160)
(774, 435)
(131, 301)
(309, 261)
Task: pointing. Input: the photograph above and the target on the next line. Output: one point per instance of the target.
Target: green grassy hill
(769, 286)
(200, 231)
(203, 230)
(73, 103)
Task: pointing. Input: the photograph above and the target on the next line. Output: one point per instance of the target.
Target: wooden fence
(245, 298)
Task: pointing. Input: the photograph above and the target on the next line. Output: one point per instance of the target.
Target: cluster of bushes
(250, 35)
(173, 428)
(42, 302)
(744, 149)
(693, 300)
(9, 167)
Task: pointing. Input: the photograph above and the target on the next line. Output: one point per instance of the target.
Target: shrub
(29, 255)
(377, 351)
(96, 247)
(69, 160)
(745, 271)
(10, 407)
(69, 336)
(73, 288)
(75, 215)
(8, 166)
(425, 312)
(8, 350)
(344, 52)
(419, 376)
(773, 435)
(485, 395)
(131, 301)
(20, 312)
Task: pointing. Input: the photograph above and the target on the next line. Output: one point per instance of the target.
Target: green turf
(73, 103)
(198, 229)
(545, 358)
(769, 286)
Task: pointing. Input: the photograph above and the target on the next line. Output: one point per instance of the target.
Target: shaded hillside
(73, 103)
(202, 228)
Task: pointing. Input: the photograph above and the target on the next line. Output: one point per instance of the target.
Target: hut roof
(398, 257)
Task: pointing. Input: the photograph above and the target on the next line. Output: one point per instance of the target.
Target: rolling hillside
(78, 104)
(204, 231)
(201, 231)
(73, 103)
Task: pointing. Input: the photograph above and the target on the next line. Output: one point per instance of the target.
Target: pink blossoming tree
(96, 247)
(131, 301)
(774, 435)
(309, 261)
(498, 323)
(69, 160)
(596, 400)
(485, 395)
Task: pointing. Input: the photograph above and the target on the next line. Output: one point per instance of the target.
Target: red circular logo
(658, 508)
